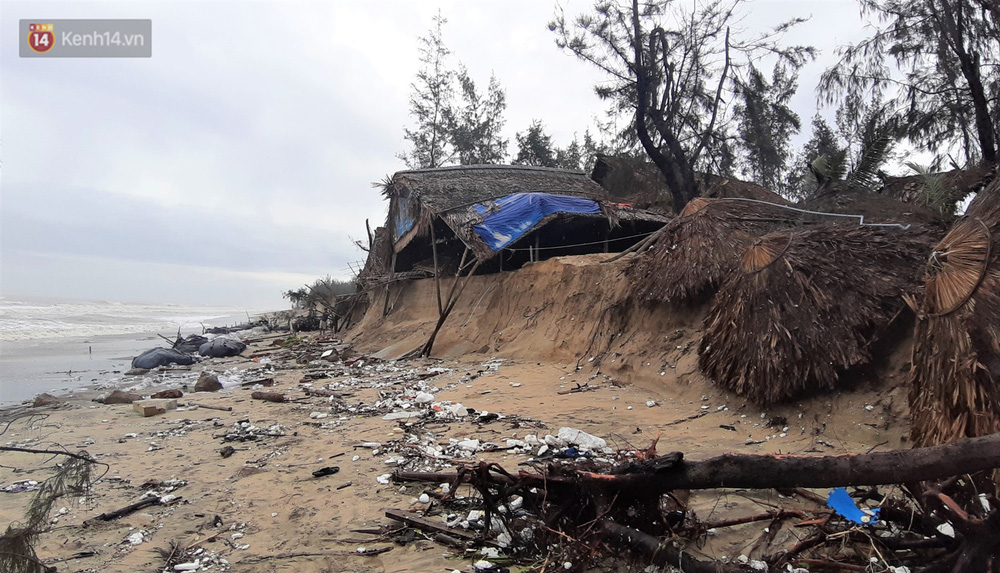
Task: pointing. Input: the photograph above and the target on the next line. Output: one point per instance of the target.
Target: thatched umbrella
(806, 305)
(955, 374)
(697, 250)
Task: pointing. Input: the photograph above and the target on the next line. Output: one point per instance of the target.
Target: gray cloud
(240, 155)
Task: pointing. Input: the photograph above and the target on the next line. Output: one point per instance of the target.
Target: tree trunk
(969, 63)
(678, 191)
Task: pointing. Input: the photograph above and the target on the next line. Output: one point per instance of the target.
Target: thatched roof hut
(697, 250)
(955, 373)
(806, 305)
(452, 207)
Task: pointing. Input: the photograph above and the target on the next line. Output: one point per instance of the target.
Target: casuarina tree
(937, 62)
(670, 66)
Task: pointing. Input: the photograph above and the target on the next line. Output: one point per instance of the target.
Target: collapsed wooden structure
(640, 182)
(463, 219)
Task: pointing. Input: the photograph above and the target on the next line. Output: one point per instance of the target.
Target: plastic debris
(840, 501)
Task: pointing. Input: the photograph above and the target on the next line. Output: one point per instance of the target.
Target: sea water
(61, 345)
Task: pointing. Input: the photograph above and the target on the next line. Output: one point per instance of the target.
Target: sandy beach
(261, 508)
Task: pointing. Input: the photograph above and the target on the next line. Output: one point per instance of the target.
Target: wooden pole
(452, 300)
(437, 271)
(388, 282)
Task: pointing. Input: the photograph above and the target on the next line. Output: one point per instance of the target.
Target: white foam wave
(25, 319)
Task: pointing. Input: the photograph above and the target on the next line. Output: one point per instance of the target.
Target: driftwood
(415, 520)
(652, 550)
(207, 407)
(762, 471)
(261, 381)
(573, 510)
(132, 508)
(269, 396)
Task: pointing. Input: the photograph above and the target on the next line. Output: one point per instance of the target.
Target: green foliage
(807, 174)
(571, 156)
(766, 123)
(873, 156)
(534, 147)
(430, 98)
(474, 127)
(669, 68)
(934, 192)
(323, 292)
(291, 341)
(937, 64)
(444, 132)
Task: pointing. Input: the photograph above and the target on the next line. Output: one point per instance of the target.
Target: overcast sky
(237, 162)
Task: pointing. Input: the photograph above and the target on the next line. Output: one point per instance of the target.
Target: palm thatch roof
(874, 207)
(641, 182)
(957, 183)
(806, 305)
(417, 197)
(698, 249)
(955, 373)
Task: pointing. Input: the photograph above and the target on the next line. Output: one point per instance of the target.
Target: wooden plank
(417, 521)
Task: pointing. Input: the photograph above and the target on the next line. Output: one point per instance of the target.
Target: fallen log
(764, 471)
(759, 471)
(132, 508)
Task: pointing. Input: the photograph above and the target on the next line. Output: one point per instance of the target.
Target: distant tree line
(693, 93)
(455, 123)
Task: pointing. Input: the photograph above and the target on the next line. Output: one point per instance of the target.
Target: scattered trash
(840, 501)
(327, 471)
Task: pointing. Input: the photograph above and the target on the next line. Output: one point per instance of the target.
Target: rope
(583, 244)
(860, 218)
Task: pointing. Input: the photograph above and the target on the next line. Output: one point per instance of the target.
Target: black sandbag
(222, 347)
(156, 357)
(190, 344)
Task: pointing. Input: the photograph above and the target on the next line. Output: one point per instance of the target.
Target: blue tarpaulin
(509, 218)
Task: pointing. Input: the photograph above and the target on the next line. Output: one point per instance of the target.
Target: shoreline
(64, 365)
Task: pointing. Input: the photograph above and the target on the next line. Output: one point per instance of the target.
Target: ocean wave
(27, 319)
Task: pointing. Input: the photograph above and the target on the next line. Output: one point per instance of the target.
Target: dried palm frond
(699, 248)
(955, 373)
(806, 305)
(764, 251)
